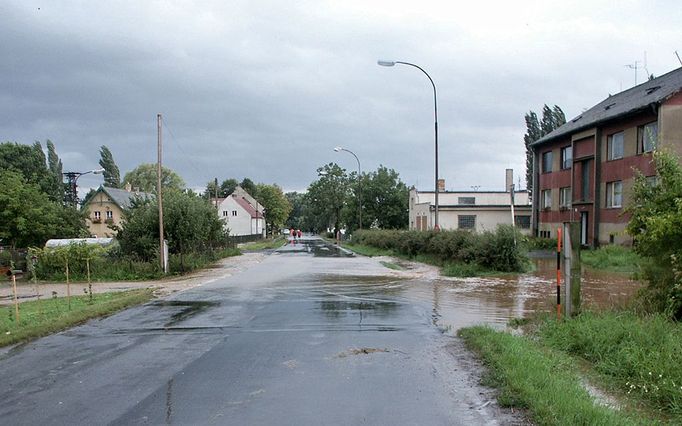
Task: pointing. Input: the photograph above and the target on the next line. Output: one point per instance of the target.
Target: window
(466, 221)
(585, 183)
(224, 213)
(614, 194)
(615, 146)
(98, 216)
(566, 157)
(647, 136)
(651, 180)
(234, 212)
(546, 198)
(547, 162)
(565, 197)
(522, 222)
(110, 215)
(466, 200)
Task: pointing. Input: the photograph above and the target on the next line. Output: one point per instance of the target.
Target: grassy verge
(448, 269)
(639, 356)
(266, 244)
(391, 265)
(42, 317)
(611, 258)
(542, 381)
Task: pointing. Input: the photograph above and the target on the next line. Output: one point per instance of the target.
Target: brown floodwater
(462, 302)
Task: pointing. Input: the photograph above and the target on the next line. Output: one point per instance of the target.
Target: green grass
(266, 244)
(640, 356)
(542, 381)
(42, 317)
(611, 258)
(391, 265)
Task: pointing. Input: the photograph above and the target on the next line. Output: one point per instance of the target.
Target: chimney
(509, 180)
(128, 187)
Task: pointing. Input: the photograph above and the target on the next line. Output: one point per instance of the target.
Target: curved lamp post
(339, 149)
(72, 178)
(435, 115)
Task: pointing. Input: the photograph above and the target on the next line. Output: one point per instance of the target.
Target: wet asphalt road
(309, 336)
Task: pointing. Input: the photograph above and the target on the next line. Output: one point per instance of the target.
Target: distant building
(105, 209)
(471, 210)
(585, 169)
(241, 213)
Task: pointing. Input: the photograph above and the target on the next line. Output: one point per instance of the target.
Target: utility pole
(162, 253)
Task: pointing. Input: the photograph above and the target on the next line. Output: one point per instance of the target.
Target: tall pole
(162, 254)
(337, 149)
(435, 128)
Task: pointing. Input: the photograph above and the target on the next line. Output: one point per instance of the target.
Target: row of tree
(337, 200)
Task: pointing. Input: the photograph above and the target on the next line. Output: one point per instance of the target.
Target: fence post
(575, 268)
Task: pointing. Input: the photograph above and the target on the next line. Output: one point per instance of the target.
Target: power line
(186, 156)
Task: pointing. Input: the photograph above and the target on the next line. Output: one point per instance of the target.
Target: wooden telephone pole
(162, 253)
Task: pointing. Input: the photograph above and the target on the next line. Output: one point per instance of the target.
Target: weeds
(543, 381)
(43, 317)
(612, 258)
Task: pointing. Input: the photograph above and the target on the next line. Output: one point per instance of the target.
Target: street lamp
(435, 115)
(339, 149)
(72, 181)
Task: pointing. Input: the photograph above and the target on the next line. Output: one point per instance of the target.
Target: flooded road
(311, 335)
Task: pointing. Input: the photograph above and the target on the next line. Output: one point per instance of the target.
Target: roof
(249, 208)
(121, 197)
(624, 103)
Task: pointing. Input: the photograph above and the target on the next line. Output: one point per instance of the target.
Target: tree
(326, 197)
(296, 219)
(30, 162)
(228, 186)
(54, 164)
(191, 225)
(656, 228)
(276, 205)
(384, 200)
(144, 178)
(112, 176)
(28, 217)
(552, 118)
(248, 186)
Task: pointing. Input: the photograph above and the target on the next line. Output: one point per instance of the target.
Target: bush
(496, 250)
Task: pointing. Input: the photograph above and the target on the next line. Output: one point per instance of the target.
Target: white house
(241, 213)
(474, 210)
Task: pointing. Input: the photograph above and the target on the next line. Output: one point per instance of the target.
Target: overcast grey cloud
(267, 89)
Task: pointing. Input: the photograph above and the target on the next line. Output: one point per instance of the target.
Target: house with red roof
(241, 213)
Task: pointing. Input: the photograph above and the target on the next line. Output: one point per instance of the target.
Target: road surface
(309, 336)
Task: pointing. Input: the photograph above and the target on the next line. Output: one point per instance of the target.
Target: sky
(267, 89)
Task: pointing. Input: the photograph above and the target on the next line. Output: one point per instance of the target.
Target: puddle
(316, 247)
(188, 309)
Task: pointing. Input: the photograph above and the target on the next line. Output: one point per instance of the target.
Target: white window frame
(565, 197)
(645, 134)
(547, 160)
(546, 198)
(616, 137)
(614, 194)
(98, 215)
(566, 160)
(110, 215)
(234, 212)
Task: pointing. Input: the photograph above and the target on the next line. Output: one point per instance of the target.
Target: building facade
(471, 210)
(241, 213)
(584, 170)
(106, 209)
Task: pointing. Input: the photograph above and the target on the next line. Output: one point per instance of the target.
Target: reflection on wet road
(311, 335)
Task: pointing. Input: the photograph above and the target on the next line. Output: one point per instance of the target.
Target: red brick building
(584, 170)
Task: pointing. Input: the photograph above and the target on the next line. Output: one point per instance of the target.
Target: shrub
(498, 250)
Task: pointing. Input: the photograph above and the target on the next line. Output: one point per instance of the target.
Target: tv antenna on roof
(678, 57)
(633, 67)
